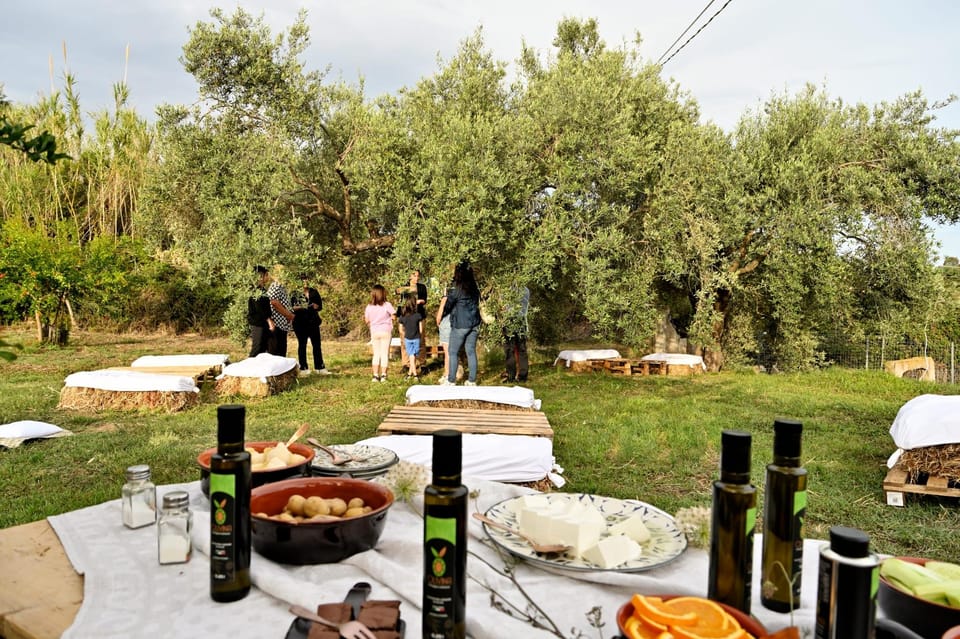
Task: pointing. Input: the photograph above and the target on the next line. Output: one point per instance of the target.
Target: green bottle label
(223, 491)
(751, 521)
(440, 570)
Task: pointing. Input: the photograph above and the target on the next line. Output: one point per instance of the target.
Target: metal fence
(872, 352)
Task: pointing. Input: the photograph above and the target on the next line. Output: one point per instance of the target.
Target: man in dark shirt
(306, 326)
(258, 314)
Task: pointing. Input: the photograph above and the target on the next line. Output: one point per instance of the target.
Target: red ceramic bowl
(317, 542)
(746, 622)
(924, 617)
(260, 477)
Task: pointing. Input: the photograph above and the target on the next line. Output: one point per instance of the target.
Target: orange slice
(635, 628)
(654, 609)
(709, 613)
(709, 633)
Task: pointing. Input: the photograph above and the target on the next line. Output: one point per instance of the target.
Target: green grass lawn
(649, 438)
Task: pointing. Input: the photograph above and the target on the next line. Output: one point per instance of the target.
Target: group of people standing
(458, 322)
(272, 313)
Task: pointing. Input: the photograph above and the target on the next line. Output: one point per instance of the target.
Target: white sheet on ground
(113, 380)
(927, 420)
(147, 361)
(676, 358)
(582, 356)
(512, 395)
(15, 433)
(508, 458)
(263, 366)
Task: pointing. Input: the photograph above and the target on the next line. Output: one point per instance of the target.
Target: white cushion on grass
(509, 458)
(263, 365)
(512, 395)
(28, 429)
(927, 420)
(582, 356)
(676, 358)
(114, 380)
(147, 361)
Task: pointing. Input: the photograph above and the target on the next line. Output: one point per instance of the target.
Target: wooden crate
(648, 367)
(618, 366)
(896, 484)
(422, 420)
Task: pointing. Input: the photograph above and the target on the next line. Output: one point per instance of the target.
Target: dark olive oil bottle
(784, 507)
(445, 542)
(230, 508)
(733, 523)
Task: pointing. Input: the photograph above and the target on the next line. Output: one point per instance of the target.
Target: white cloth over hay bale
(507, 458)
(15, 433)
(678, 363)
(125, 390)
(585, 355)
(925, 429)
(258, 376)
(680, 359)
(472, 396)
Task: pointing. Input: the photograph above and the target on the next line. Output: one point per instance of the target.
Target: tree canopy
(589, 178)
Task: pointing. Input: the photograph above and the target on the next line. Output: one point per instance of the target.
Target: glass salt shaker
(138, 498)
(173, 528)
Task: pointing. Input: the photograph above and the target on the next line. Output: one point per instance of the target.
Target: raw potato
(356, 502)
(353, 512)
(337, 506)
(316, 506)
(295, 504)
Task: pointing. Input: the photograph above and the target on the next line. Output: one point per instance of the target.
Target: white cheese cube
(633, 527)
(613, 551)
(576, 531)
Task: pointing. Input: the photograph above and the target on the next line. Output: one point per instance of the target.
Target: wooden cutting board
(40, 592)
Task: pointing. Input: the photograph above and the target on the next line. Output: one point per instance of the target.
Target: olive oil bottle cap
(849, 542)
(735, 456)
(786, 438)
(447, 457)
(230, 425)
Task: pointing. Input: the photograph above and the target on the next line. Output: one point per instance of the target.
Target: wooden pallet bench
(422, 420)
(634, 367)
(425, 351)
(196, 373)
(896, 484)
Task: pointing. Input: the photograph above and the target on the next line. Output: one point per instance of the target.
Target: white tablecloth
(128, 594)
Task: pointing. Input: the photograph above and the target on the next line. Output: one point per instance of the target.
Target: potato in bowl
(319, 538)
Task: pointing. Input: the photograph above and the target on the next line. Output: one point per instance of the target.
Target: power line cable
(697, 33)
(693, 22)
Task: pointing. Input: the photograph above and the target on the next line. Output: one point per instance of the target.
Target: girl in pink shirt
(379, 316)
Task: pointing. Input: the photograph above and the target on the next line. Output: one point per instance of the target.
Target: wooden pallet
(422, 420)
(425, 351)
(634, 367)
(196, 373)
(896, 485)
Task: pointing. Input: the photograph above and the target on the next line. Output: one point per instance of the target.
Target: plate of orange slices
(679, 617)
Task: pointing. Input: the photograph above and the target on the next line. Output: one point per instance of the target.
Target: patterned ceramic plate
(666, 542)
(367, 460)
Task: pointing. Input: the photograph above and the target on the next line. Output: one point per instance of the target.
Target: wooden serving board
(422, 420)
(40, 592)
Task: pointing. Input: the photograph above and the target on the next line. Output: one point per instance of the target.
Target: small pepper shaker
(138, 498)
(173, 529)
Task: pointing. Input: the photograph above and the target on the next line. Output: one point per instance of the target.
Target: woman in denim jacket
(462, 304)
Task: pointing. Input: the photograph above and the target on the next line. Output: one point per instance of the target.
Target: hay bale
(472, 403)
(932, 461)
(95, 399)
(254, 386)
